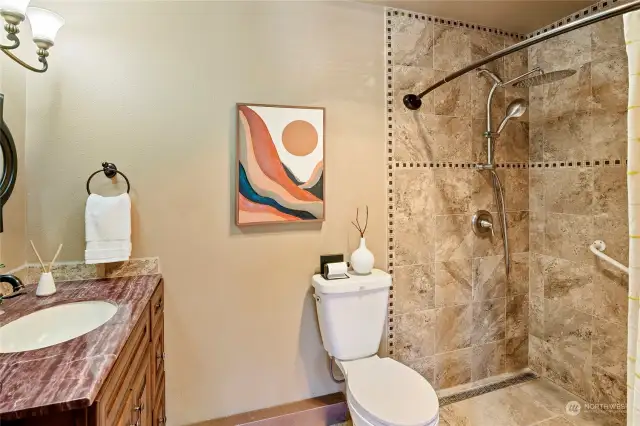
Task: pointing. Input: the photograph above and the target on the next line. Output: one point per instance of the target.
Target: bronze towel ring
(110, 170)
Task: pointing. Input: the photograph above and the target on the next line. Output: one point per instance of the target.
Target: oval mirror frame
(9, 167)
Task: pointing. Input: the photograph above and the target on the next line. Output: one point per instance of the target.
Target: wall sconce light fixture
(44, 26)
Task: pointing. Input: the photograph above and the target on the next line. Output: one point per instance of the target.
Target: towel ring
(110, 170)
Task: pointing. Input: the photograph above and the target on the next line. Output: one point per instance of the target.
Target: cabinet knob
(162, 420)
(158, 305)
(138, 408)
(161, 356)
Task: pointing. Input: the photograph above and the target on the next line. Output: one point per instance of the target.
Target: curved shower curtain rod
(414, 102)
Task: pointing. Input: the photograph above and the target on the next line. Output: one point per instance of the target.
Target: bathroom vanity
(111, 376)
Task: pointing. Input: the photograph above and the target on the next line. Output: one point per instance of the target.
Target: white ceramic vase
(362, 259)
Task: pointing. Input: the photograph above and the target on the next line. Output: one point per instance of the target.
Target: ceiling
(521, 16)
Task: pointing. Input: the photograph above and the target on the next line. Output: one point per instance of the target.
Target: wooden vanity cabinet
(133, 392)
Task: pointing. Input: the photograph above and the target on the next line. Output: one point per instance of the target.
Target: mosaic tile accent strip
(451, 23)
(450, 399)
(598, 7)
(70, 271)
(532, 165)
(390, 171)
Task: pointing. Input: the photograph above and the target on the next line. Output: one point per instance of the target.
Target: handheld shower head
(515, 109)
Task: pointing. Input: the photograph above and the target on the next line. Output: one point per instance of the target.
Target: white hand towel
(107, 229)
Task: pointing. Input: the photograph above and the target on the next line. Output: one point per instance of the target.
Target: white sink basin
(54, 325)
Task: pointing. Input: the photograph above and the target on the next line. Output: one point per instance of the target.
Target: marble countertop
(70, 374)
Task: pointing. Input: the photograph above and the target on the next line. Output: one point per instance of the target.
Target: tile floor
(538, 402)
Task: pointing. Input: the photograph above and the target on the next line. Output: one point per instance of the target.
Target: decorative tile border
(533, 165)
(70, 271)
(449, 22)
(598, 7)
(390, 170)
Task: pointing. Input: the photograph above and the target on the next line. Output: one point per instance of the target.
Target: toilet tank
(352, 313)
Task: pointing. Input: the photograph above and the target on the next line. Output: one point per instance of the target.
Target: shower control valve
(482, 224)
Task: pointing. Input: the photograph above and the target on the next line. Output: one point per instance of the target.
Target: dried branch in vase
(357, 225)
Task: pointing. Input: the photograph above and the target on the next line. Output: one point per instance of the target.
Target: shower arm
(413, 101)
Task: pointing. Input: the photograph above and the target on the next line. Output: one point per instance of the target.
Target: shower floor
(537, 402)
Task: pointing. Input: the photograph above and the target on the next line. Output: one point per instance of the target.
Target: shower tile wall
(454, 316)
(578, 305)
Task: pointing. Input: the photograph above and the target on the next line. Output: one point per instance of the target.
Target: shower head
(515, 109)
(544, 78)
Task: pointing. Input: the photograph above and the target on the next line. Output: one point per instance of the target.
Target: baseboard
(321, 411)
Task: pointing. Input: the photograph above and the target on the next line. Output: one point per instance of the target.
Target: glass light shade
(44, 24)
(17, 7)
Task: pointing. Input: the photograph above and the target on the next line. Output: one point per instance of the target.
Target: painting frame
(239, 134)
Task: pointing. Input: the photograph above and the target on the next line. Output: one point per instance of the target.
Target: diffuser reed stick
(44, 269)
(55, 258)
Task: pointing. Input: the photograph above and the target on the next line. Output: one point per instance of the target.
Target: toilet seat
(388, 393)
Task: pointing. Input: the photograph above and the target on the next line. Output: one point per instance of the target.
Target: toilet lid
(392, 393)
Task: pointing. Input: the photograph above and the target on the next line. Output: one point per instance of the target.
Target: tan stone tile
(610, 296)
(454, 98)
(610, 84)
(539, 264)
(409, 143)
(609, 137)
(516, 64)
(414, 240)
(413, 188)
(570, 284)
(518, 279)
(414, 335)
(607, 388)
(507, 407)
(428, 137)
(518, 226)
(414, 288)
(568, 137)
(484, 44)
(478, 141)
(482, 193)
(536, 105)
(568, 190)
(453, 282)
(607, 39)
(425, 367)
(488, 278)
(412, 41)
(538, 354)
(569, 95)
(565, 51)
(536, 140)
(489, 245)
(568, 338)
(556, 421)
(452, 48)
(488, 360)
(537, 223)
(536, 189)
(517, 351)
(454, 239)
(452, 368)
(516, 188)
(453, 328)
(517, 316)
(594, 418)
(412, 79)
(549, 395)
(452, 190)
(610, 191)
(568, 237)
(488, 321)
(536, 316)
(610, 347)
(513, 144)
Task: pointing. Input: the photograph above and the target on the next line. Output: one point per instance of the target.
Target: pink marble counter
(69, 375)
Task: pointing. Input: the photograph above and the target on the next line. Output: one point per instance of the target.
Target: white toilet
(380, 391)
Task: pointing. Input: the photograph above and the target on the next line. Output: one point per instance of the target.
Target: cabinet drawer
(157, 356)
(157, 304)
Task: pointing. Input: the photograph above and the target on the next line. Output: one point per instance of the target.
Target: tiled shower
(454, 314)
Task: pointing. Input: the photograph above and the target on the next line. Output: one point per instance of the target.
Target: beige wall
(13, 86)
(152, 87)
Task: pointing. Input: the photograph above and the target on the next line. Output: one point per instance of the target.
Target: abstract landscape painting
(280, 176)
